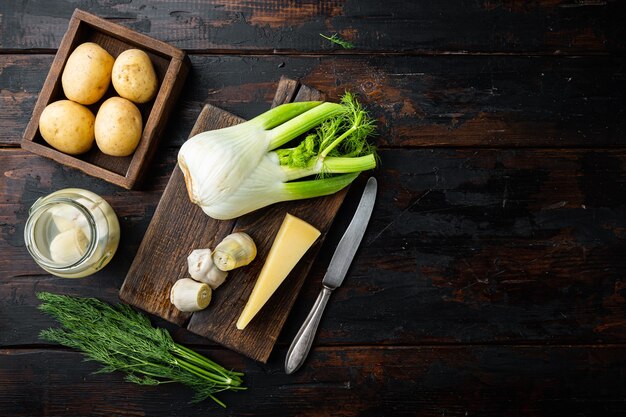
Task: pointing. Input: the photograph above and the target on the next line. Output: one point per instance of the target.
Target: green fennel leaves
(338, 41)
(343, 136)
(123, 339)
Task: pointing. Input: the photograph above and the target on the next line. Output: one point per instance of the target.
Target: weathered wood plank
(358, 381)
(445, 101)
(464, 246)
(21, 80)
(547, 26)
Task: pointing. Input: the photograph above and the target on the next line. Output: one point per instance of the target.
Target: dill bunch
(122, 339)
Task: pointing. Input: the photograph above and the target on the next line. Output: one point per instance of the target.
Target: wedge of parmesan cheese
(294, 238)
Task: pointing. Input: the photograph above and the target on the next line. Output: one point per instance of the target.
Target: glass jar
(72, 233)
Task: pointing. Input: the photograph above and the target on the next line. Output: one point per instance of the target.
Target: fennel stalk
(233, 171)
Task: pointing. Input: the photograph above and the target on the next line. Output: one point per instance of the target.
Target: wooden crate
(171, 66)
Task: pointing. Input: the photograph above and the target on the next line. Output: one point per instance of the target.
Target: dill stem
(180, 349)
(198, 361)
(205, 362)
(217, 375)
(218, 379)
(214, 398)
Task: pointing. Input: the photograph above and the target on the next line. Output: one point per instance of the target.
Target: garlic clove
(62, 217)
(215, 277)
(198, 263)
(66, 217)
(237, 249)
(68, 247)
(188, 295)
(201, 268)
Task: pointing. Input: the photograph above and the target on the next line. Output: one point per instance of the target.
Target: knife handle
(301, 344)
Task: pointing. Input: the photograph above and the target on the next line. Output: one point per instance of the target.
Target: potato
(134, 77)
(118, 127)
(67, 126)
(87, 73)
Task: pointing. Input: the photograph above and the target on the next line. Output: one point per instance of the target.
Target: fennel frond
(334, 38)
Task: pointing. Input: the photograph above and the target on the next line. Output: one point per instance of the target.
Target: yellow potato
(67, 126)
(118, 127)
(134, 77)
(87, 73)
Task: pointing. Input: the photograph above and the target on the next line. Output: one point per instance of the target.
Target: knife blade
(335, 274)
(349, 243)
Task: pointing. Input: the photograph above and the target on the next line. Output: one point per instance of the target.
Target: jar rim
(34, 215)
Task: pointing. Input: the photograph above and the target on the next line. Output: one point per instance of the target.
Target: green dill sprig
(338, 41)
(338, 142)
(122, 339)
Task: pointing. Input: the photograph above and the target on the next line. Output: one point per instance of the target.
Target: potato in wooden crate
(170, 65)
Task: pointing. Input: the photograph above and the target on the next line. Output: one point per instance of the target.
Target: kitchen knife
(336, 272)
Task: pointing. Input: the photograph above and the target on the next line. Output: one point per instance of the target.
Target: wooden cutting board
(178, 227)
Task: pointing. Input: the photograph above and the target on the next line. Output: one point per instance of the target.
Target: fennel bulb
(233, 171)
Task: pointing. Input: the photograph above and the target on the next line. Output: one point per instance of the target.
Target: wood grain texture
(419, 102)
(285, 26)
(429, 381)
(491, 279)
(464, 246)
(178, 227)
(171, 68)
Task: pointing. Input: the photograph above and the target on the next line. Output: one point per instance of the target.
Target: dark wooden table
(492, 278)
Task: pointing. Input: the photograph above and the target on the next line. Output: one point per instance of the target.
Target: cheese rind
(293, 240)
